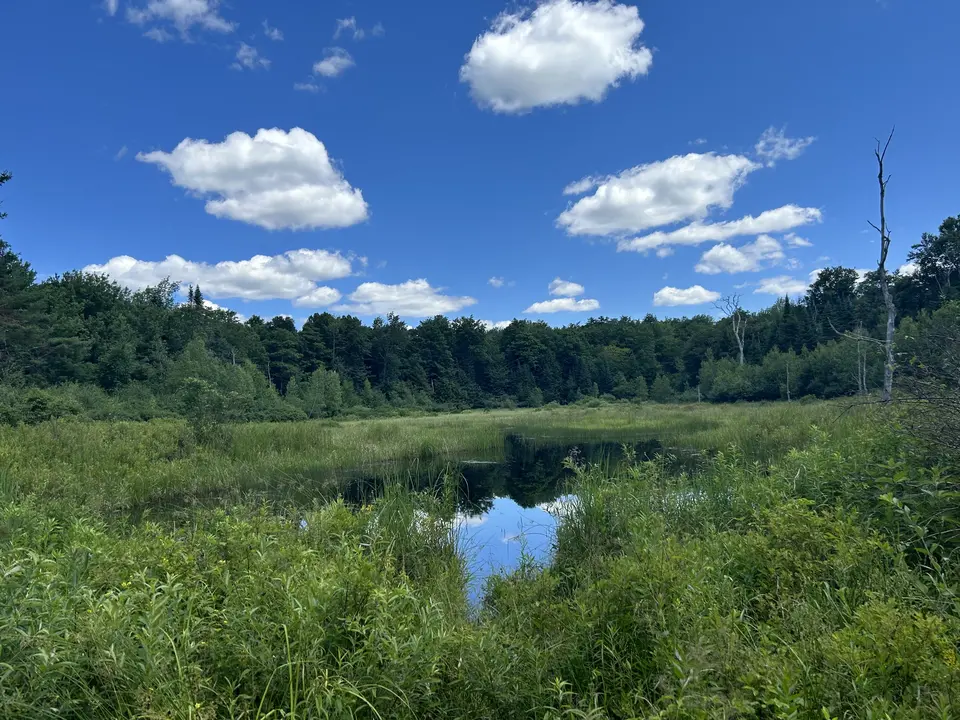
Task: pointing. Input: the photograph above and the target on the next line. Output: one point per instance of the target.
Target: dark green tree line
(77, 336)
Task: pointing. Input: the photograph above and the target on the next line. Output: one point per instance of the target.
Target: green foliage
(662, 391)
(786, 588)
(320, 395)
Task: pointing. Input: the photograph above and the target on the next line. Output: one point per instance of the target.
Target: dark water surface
(507, 499)
(508, 503)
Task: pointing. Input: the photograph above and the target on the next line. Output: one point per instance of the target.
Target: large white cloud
(414, 298)
(770, 221)
(563, 304)
(679, 188)
(561, 53)
(276, 179)
(774, 145)
(292, 275)
(182, 14)
(695, 295)
(750, 257)
(565, 288)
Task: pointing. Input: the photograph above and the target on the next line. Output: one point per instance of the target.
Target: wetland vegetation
(802, 567)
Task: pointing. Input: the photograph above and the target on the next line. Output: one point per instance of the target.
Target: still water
(508, 504)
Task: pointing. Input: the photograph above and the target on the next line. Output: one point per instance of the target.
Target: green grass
(801, 573)
(118, 467)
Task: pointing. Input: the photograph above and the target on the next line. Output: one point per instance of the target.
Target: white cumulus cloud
(335, 62)
(908, 269)
(774, 145)
(319, 297)
(782, 285)
(695, 295)
(248, 57)
(182, 14)
(289, 276)
(565, 288)
(497, 282)
(306, 87)
(679, 188)
(750, 257)
(414, 298)
(276, 179)
(563, 304)
(561, 53)
(498, 325)
(272, 32)
(769, 221)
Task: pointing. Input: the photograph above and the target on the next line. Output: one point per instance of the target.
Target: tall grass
(773, 582)
(123, 466)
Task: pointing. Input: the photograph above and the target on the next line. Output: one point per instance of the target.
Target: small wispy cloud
(349, 25)
(120, 153)
(111, 6)
(307, 87)
(774, 145)
(158, 35)
(795, 241)
(272, 32)
(248, 57)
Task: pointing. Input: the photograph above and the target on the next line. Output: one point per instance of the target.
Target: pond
(507, 503)
(507, 499)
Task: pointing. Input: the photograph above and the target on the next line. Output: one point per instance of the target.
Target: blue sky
(398, 156)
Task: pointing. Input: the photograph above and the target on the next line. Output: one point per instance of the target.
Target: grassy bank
(819, 582)
(114, 467)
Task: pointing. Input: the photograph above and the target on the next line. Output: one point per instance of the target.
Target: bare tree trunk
(788, 380)
(730, 306)
(739, 328)
(861, 362)
(888, 365)
(888, 344)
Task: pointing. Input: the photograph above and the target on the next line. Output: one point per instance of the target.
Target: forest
(79, 344)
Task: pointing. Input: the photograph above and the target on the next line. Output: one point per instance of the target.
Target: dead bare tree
(861, 360)
(888, 366)
(730, 307)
